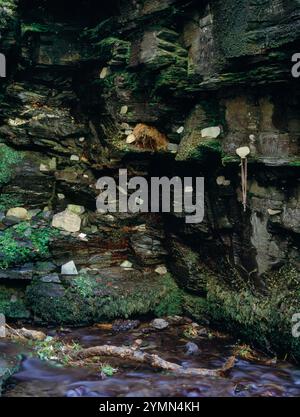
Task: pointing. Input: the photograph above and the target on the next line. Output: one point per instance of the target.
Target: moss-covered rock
(7, 10)
(12, 303)
(264, 320)
(114, 51)
(8, 24)
(8, 201)
(191, 273)
(9, 158)
(196, 307)
(193, 145)
(22, 243)
(245, 28)
(112, 293)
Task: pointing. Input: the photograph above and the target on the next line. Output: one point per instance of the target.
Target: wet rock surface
(159, 324)
(125, 325)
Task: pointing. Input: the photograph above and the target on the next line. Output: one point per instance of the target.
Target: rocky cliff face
(210, 76)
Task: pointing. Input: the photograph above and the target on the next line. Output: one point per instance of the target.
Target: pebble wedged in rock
(192, 348)
(67, 221)
(68, 269)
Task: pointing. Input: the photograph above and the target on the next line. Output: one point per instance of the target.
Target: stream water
(248, 378)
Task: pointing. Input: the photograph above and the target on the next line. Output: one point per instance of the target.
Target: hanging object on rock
(130, 138)
(149, 138)
(243, 152)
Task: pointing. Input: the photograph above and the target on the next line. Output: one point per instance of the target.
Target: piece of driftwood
(24, 334)
(152, 360)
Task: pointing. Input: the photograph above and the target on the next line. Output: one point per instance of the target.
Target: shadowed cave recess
(81, 76)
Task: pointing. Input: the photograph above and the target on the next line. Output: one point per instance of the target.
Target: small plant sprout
(108, 370)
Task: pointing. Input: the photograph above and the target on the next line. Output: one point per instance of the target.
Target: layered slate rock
(208, 77)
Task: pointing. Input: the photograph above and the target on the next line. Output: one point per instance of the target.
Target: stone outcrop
(203, 78)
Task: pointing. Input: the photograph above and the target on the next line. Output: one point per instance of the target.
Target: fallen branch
(13, 332)
(150, 359)
(24, 334)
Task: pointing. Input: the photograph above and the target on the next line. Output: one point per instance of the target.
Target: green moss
(198, 149)
(104, 27)
(249, 28)
(12, 303)
(228, 159)
(22, 243)
(195, 306)
(125, 80)
(7, 12)
(263, 320)
(108, 370)
(52, 304)
(130, 81)
(204, 115)
(174, 77)
(9, 4)
(168, 51)
(295, 164)
(84, 287)
(9, 158)
(52, 349)
(8, 201)
(231, 159)
(213, 145)
(113, 50)
(204, 149)
(171, 304)
(232, 21)
(88, 299)
(34, 28)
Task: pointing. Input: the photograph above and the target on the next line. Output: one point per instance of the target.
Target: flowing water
(247, 378)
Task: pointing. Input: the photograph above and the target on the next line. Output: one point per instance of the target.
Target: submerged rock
(125, 325)
(159, 324)
(192, 349)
